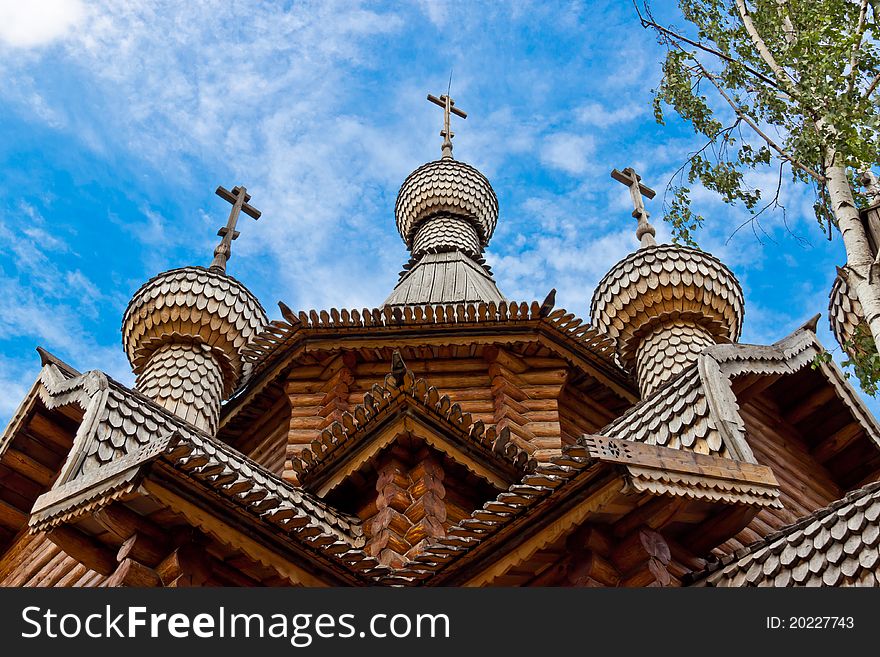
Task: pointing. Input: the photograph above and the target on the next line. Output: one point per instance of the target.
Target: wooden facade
(450, 437)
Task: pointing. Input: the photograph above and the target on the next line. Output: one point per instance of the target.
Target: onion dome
(664, 304)
(185, 330)
(845, 312)
(444, 189)
(446, 212)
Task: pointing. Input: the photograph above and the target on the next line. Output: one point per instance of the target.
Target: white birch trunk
(860, 265)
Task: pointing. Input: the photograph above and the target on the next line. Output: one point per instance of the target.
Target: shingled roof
(838, 545)
(122, 426)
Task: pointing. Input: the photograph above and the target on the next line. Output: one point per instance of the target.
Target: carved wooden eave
(274, 351)
(835, 546)
(33, 448)
(737, 372)
(597, 480)
(406, 404)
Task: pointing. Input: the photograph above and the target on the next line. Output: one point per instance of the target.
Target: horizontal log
(28, 466)
(11, 516)
(84, 549)
(639, 546)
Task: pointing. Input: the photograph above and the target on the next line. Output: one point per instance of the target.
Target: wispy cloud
(568, 152)
(605, 116)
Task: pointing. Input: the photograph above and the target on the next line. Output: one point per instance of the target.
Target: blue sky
(118, 121)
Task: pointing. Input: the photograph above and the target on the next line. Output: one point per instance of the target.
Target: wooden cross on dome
(645, 232)
(239, 199)
(448, 105)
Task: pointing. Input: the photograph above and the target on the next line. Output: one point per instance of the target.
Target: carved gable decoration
(408, 405)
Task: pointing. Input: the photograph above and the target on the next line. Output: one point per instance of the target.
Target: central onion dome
(446, 205)
(446, 212)
(664, 304)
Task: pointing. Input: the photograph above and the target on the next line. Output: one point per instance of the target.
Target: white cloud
(568, 152)
(603, 116)
(437, 11)
(31, 23)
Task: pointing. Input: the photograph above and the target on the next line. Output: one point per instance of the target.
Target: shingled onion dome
(446, 212)
(184, 332)
(845, 313)
(664, 304)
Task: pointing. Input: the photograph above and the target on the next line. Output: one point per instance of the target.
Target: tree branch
(754, 126)
(782, 76)
(790, 32)
(872, 86)
(649, 22)
(860, 32)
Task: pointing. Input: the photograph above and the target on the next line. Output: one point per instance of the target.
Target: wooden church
(448, 437)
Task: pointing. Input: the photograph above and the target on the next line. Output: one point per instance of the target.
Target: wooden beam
(28, 466)
(143, 549)
(812, 404)
(655, 513)
(46, 428)
(84, 549)
(718, 529)
(836, 442)
(208, 522)
(125, 523)
(132, 573)
(11, 516)
(635, 455)
(502, 563)
(754, 385)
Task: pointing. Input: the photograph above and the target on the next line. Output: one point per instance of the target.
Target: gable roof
(699, 409)
(402, 390)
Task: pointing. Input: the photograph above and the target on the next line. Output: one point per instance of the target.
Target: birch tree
(789, 84)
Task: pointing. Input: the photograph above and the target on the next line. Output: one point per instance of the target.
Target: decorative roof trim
(788, 356)
(708, 385)
(281, 340)
(709, 478)
(199, 456)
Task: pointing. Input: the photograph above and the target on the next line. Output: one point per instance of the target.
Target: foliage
(862, 357)
(821, 95)
(783, 85)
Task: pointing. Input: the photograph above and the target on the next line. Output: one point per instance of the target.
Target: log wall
(34, 560)
(804, 483)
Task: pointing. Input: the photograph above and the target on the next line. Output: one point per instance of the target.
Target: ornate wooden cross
(448, 105)
(645, 232)
(239, 199)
